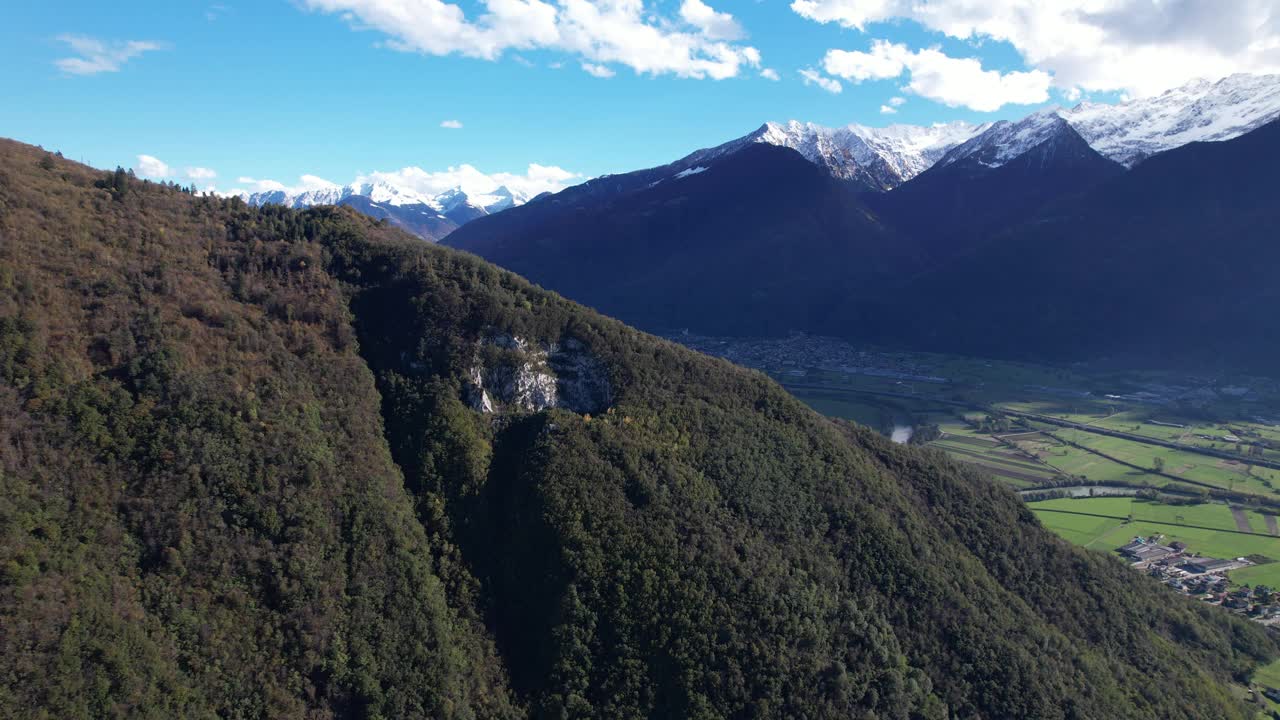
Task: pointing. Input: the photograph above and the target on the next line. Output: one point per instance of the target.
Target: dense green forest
(243, 475)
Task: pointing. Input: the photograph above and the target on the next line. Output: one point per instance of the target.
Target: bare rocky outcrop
(512, 373)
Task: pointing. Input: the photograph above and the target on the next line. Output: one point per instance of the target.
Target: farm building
(1205, 564)
(1139, 551)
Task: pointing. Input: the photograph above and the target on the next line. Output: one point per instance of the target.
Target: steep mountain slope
(958, 203)
(260, 462)
(1174, 260)
(749, 243)
(198, 513)
(1005, 140)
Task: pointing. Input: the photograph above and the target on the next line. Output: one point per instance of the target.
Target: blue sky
(279, 89)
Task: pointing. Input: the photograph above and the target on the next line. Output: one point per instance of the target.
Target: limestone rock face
(511, 373)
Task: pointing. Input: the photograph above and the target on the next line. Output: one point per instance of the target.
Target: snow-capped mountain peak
(400, 203)
(1127, 132)
(1199, 111)
(881, 158)
(386, 193)
(431, 216)
(1003, 141)
(1131, 131)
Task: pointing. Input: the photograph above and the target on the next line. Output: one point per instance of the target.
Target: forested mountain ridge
(244, 472)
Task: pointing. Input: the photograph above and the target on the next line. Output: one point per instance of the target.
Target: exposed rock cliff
(512, 373)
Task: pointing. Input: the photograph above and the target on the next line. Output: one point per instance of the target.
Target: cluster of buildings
(1201, 577)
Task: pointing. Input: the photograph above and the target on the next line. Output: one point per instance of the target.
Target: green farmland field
(1101, 524)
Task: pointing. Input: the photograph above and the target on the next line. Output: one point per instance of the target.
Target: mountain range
(1126, 132)
(877, 159)
(263, 462)
(791, 228)
(430, 217)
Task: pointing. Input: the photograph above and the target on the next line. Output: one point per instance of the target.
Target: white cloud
(887, 110)
(599, 71)
(813, 77)
(897, 101)
(715, 25)
(770, 74)
(200, 173)
(885, 60)
(599, 32)
(952, 81)
(851, 13)
(152, 167)
(305, 183)
(95, 56)
(1139, 47)
(451, 124)
(215, 11)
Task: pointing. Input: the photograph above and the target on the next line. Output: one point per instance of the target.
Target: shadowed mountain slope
(1175, 259)
(749, 244)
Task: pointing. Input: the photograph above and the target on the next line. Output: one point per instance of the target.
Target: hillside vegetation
(243, 474)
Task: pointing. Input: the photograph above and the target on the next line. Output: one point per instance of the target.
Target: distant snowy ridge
(875, 158)
(1132, 131)
(431, 217)
(1199, 111)
(388, 194)
(1127, 132)
(881, 158)
(1003, 141)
